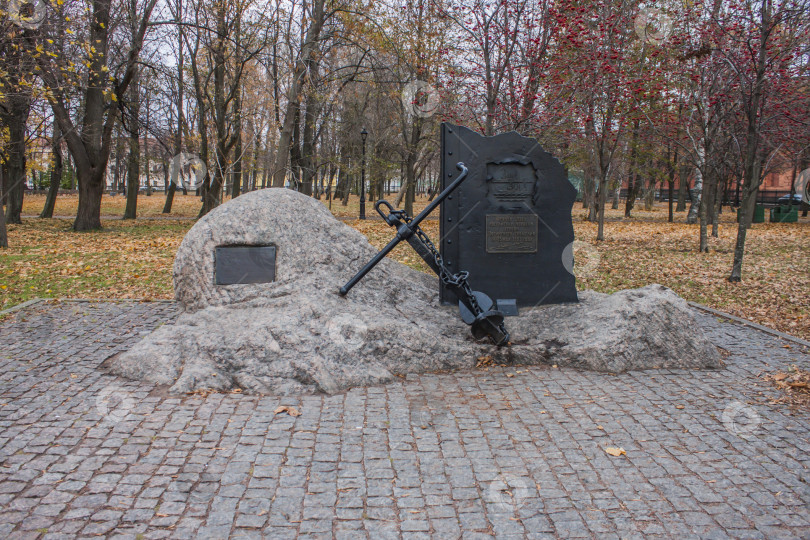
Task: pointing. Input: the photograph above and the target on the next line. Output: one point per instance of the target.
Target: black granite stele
(509, 223)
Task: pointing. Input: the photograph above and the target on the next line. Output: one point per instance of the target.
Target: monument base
(296, 334)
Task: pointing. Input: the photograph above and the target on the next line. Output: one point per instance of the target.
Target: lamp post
(363, 135)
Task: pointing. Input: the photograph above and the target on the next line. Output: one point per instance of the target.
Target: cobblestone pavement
(506, 452)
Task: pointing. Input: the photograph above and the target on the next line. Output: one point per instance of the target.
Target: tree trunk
(15, 105)
(3, 230)
(295, 152)
(236, 172)
(133, 175)
(311, 113)
(342, 189)
(147, 157)
(746, 215)
(695, 195)
(703, 211)
(211, 191)
(683, 186)
(671, 217)
(72, 172)
(589, 188)
(632, 194)
(410, 195)
(328, 181)
(403, 185)
(649, 196)
(119, 149)
(134, 158)
(178, 141)
(602, 195)
(236, 175)
(673, 166)
(753, 164)
(719, 190)
(88, 215)
(56, 172)
(401, 194)
(346, 188)
(202, 121)
(411, 157)
(308, 44)
(633, 186)
(257, 144)
(167, 206)
(18, 105)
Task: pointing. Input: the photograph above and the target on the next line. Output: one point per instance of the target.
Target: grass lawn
(133, 259)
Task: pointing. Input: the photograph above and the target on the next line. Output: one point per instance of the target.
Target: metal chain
(448, 278)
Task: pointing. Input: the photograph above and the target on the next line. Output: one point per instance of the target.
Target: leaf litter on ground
(133, 259)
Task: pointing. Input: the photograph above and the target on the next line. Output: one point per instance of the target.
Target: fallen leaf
(679, 406)
(795, 386)
(292, 411)
(615, 452)
(484, 361)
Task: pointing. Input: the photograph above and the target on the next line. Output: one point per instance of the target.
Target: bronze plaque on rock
(242, 265)
(511, 233)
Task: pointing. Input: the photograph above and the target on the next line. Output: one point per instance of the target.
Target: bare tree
(89, 141)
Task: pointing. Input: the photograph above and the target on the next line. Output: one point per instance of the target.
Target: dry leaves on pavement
(292, 411)
(794, 384)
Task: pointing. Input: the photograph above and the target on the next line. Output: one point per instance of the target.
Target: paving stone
(472, 454)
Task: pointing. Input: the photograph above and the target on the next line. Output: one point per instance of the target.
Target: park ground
(133, 259)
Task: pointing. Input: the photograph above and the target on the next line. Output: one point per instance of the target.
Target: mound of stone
(296, 334)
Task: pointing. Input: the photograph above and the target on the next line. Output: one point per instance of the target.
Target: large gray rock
(298, 335)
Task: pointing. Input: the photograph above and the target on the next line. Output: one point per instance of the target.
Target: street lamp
(363, 135)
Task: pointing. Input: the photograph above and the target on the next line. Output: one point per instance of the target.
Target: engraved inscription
(241, 265)
(511, 182)
(511, 233)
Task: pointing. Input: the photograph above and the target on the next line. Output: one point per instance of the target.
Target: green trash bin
(785, 214)
(759, 214)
